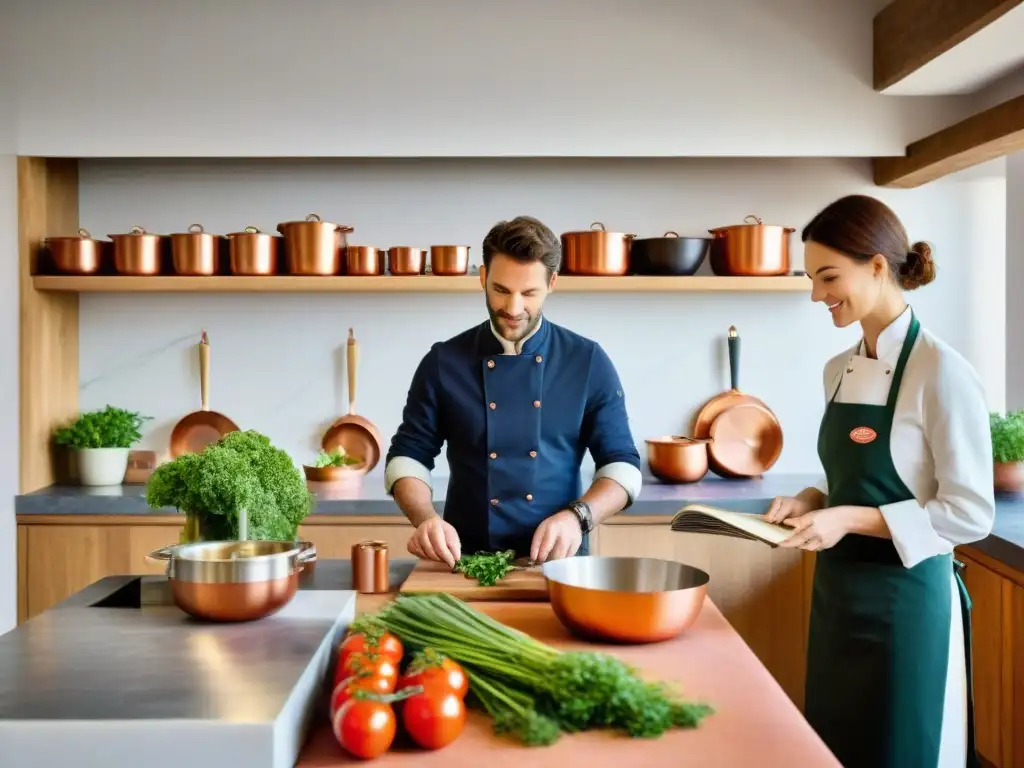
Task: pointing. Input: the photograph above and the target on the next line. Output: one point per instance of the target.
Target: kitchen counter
(116, 675)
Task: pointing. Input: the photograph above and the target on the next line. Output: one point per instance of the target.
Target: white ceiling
(984, 57)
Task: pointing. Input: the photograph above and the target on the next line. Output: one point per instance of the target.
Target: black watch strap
(582, 511)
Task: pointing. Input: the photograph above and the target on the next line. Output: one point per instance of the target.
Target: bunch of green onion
(532, 691)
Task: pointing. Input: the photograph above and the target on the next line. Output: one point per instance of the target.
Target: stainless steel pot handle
(160, 555)
(307, 552)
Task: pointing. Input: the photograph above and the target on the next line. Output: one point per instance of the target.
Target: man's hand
(558, 536)
(434, 539)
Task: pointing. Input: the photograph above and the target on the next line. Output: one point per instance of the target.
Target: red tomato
(364, 727)
(358, 642)
(440, 675)
(369, 665)
(345, 688)
(434, 720)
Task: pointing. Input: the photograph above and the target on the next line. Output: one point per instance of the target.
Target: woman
(907, 453)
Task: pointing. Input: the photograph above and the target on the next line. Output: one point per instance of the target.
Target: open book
(696, 518)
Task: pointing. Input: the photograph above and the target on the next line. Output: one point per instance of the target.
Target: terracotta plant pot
(1009, 477)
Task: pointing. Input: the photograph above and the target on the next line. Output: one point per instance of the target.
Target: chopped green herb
(486, 567)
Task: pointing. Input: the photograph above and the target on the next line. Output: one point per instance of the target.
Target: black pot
(668, 255)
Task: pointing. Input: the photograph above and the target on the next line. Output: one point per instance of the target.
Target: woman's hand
(784, 507)
(821, 529)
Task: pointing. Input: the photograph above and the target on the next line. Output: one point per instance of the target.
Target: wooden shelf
(418, 284)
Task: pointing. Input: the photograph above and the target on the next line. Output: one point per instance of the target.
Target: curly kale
(242, 470)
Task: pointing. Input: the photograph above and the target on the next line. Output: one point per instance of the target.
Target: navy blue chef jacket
(517, 426)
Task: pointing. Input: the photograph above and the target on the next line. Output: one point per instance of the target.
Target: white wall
(275, 357)
(8, 343)
(1014, 280)
(458, 78)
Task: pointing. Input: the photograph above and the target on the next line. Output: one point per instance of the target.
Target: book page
(698, 518)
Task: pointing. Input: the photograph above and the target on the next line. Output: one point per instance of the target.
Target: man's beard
(527, 324)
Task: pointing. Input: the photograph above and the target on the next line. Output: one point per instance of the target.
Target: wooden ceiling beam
(910, 33)
(996, 132)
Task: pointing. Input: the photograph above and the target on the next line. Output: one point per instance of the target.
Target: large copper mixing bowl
(625, 599)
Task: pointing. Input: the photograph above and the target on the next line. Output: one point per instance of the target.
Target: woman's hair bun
(918, 269)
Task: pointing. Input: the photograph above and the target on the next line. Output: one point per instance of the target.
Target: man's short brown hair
(526, 240)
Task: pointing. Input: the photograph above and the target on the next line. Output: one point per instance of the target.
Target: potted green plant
(1008, 451)
(100, 441)
(241, 471)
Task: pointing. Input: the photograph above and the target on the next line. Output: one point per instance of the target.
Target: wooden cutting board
(430, 576)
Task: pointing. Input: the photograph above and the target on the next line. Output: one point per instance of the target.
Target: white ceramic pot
(102, 466)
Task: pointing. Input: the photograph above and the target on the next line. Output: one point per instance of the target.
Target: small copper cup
(363, 260)
(195, 252)
(404, 260)
(253, 252)
(370, 567)
(449, 260)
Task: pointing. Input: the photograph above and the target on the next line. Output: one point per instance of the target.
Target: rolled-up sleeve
(606, 427)
(956, 428)
(418, 440)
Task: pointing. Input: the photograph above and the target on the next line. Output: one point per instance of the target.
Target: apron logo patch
(863, 435)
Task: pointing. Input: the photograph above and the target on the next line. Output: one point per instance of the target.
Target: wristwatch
(582, 511)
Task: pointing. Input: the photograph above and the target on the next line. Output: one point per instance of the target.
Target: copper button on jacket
(540, 359)
(536, 404)
(493, 406)
(533, 454)
(494, 502)
(529, 497)
(494, 455)
(490, 363)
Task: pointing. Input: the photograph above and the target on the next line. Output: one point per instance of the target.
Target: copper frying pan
(746, 440)
(724, 402)
(358, 436)
(198, 429)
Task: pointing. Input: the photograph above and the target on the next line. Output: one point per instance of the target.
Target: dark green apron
(878, 648)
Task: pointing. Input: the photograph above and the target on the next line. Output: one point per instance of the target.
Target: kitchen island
(65, 681)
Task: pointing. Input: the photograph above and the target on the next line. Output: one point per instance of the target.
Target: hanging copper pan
(198, 429)
(719, 404)
(356, 435)
(746, 441)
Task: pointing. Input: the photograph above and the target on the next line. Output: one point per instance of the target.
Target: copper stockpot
(449, 260)
(750, 250)
(625, 599)
(195, 252)
(79, 254)
(314, 246)
(596, 252)
(253, 252)
(677, 459)
(364, 260)
(138, 252)
(403, 260)
(234, 580)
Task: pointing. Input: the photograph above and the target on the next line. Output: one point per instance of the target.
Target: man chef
(518, 399)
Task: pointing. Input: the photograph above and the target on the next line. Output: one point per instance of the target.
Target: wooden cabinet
(997, 623)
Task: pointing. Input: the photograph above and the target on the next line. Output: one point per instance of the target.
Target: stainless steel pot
(234, 580)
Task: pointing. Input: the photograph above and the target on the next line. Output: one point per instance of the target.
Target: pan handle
(734, 358)
(160, 555)
(352, 366)
(307, 552)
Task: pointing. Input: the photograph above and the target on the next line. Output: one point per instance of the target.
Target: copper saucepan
(252, 252)
(198, 429)
(596, 251)
(80, 254)
(195, 252)
(138, 252)
(364, 260)
(356, 435)
(750, 249)
(405, 260)
(677, 459)
(234, 580)
(314, 246)
(449, 260)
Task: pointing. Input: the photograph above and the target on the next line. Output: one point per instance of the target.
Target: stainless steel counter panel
(106, 679)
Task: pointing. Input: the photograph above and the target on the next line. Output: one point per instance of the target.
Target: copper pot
(253, 252)
(449, 260)
(364, 260)
(750, 250)
(314, 246)
(79, 254)
(403, 260)
(234, 580)
(596, 251)
(195, 252)
(138, 252)
(675, 459)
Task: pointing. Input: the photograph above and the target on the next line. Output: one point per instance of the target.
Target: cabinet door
(335, 541)
(989, 628)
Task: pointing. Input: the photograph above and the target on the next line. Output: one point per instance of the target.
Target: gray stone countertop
(1006, 543)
